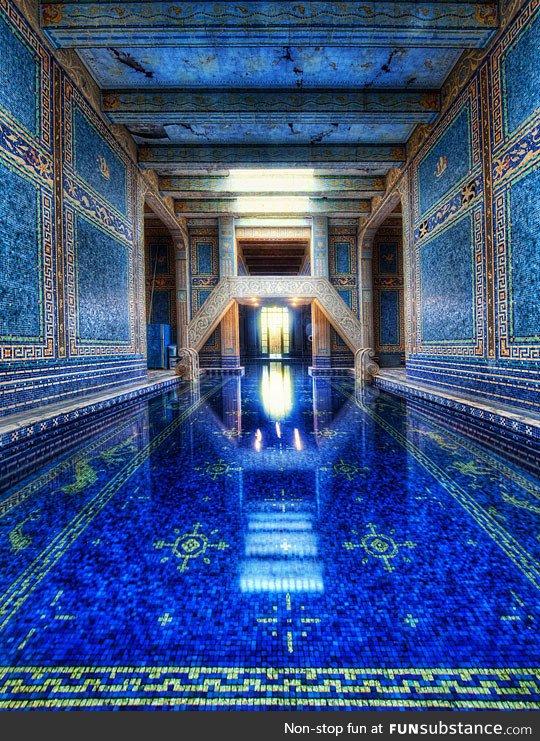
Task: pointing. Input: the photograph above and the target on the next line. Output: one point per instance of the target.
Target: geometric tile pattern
(501, 193)
(98, 182)
(388, 281)
(204, 276)
(433, 528)
(228, 688)
(27, 210)
(343, 273)
(447, 275)
(516, 188)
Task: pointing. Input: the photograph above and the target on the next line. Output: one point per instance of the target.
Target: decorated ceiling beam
(254, 205)
(128, 24)
(244, 107)
(304, 184)
(216, 158)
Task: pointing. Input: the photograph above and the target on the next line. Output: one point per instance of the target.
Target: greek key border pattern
(15, 19)
(500, 137)
(470, 97)
(45, 348)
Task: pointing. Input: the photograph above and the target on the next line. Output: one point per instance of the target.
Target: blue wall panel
(389, 317)
(71, 319)
(203, 295)
(346, 296)
(446, 163)
(102, 286)
(388, 257)
(97, 164)
(159, 259)
(524, 248)
(521, 78)
(447, 285)
(19, 79)
(343, 257)
(205, 265)
(21, 305)
(161, 310)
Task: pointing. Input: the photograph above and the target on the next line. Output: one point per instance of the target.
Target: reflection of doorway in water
(276, 391)
(275, 331)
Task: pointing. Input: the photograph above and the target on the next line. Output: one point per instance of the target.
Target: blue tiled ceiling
(291, 133)
(205, 75)
(269, 67)
(273, 68)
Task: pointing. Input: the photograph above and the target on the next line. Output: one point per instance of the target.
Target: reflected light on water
(270, 575)
(276, 391)
(297, 440)
(258, 441)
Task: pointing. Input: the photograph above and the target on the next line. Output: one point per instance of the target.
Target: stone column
(230, 329)
(230, 338)
(181, 252)
(366, 290)
(320, 331)
(319, 247)
(227, 248)
(320, 326)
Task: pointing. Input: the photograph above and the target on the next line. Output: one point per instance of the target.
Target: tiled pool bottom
(272, 542)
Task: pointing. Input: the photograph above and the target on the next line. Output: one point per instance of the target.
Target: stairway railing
(320, 290)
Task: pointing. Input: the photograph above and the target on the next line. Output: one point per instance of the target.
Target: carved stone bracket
(364, 365)
(187, 365)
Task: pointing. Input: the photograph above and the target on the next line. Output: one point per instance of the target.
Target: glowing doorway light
(299, 180)
(273, 204)
(276, 391)
(275, 331)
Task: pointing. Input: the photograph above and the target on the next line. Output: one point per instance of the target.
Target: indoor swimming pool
(270, 542)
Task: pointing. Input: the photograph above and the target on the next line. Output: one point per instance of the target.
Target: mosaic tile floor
(272, 542)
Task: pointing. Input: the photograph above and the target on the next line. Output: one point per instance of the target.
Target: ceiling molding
(327, 157)
(443, 24)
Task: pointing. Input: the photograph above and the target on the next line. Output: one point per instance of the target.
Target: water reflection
(276, 391)
(281, 551)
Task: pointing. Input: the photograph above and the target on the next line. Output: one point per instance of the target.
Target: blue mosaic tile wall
(388, 293)
(521, 91)
(161, 308)
(389, 317)
(446, 162)
(447, 270)
(481, 322)
(204, 274)
(102, 292)
(19, 78)
(524, 250)
(160, 275)
(204, 255)
(343, 274)
(21, 314)
(97, 163)
(63, 331)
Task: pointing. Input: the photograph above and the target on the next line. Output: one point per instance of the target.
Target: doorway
(275, 331)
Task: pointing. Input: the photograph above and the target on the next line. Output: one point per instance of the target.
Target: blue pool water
(271, 542)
